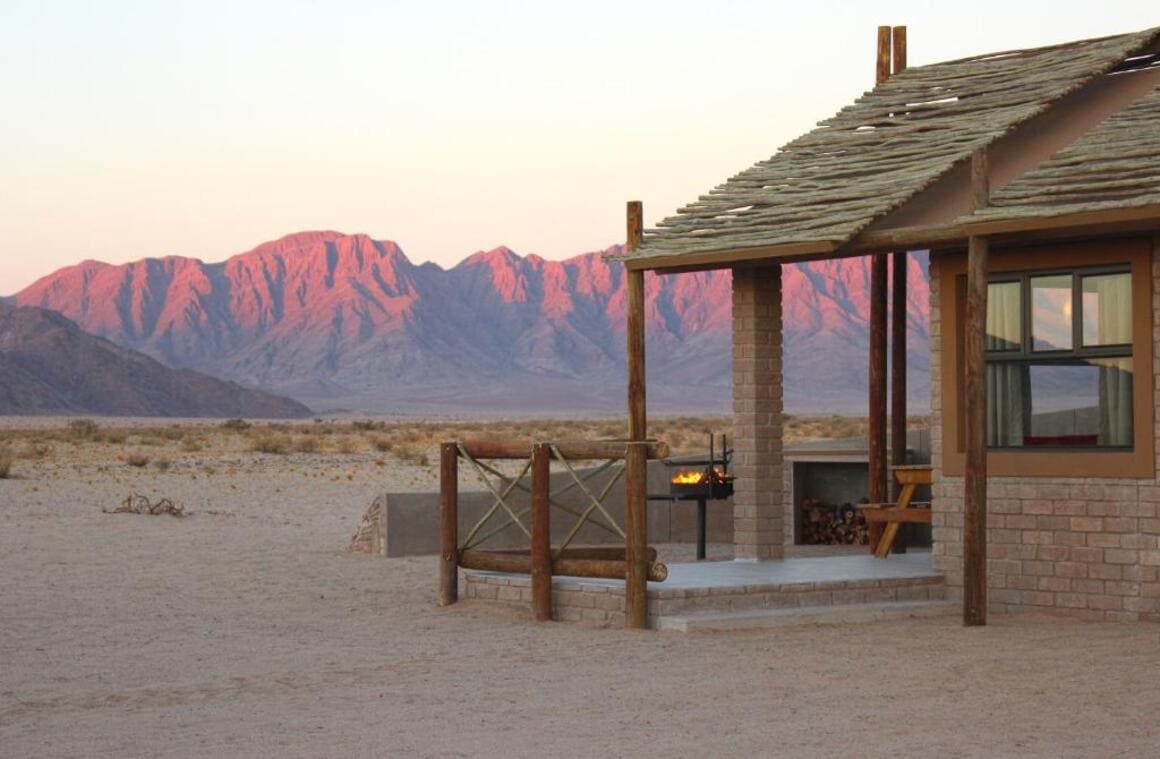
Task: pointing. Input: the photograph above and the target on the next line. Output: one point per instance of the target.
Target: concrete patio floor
(793, 571)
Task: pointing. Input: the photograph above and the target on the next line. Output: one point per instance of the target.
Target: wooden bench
(885, 518)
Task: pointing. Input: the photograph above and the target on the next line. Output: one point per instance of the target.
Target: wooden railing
(540, 559)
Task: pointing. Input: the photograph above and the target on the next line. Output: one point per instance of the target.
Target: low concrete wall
(407, 524)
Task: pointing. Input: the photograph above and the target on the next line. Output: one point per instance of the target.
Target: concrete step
(756, 619)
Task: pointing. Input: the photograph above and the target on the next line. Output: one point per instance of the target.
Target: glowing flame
(688, 478)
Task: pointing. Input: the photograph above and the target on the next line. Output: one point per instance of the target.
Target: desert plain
(247, 627)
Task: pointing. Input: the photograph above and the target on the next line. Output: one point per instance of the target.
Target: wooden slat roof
(823, 188)
(1116, 165)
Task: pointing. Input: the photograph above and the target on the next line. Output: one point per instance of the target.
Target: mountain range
(346, 321)
(48, 365)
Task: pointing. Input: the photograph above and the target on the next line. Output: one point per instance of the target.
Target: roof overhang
(1107, 221)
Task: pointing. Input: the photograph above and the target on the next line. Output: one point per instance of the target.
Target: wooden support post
(882, 68)
(636, 540)
(876, 429)
(898, 314)
(898, 360)
(975, 391)
(899, 39)
(636, 455)
(541, 533)
(448, 524)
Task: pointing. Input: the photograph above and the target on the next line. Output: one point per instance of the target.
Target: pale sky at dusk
(135, 129)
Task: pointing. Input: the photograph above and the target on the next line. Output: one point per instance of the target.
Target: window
(1059, 360)
(1069, 359)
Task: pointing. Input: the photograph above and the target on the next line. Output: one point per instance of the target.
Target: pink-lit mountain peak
(329, 316)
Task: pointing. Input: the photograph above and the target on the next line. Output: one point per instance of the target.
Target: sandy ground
(247, 629)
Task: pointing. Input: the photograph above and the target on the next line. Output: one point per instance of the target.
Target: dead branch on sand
(139, 504)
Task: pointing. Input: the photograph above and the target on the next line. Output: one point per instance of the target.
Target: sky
(136, 129)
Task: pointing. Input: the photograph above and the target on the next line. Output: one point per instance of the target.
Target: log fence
(619, 460)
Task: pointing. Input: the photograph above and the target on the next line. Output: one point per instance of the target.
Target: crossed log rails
(541, 561)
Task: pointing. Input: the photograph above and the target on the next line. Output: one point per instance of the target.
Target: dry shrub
(382, 444)
(411, 455)
(306, 445)
(139, 504)
(162, 465)
(6, 458)
(35, 451)
(137, 460)
(192, 445)
(344, 445)
(235, 424)
(275, 444)
(82, 428)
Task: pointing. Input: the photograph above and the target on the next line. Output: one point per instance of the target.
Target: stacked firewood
(825, 524)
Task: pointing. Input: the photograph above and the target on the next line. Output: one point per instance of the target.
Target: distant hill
(347, 321)
(48, 365)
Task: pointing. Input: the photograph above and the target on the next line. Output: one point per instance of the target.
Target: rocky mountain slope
(48, 365)
(347, 321)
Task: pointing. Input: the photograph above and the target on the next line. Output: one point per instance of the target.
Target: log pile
(826, 524)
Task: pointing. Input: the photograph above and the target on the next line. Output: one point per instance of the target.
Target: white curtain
(1005, 381)
(1115, 326)
(1004, 316)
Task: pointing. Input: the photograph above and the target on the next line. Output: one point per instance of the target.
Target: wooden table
(885, 518)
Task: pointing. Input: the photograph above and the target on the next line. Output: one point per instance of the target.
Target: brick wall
(1084, 547)
(758, 520)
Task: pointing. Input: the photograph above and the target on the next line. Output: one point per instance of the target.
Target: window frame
(1028, 356)
(1133, 253)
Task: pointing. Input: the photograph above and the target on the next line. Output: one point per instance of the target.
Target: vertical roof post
(899, 39)
(975, 412)
(882, 69)
(634, 222)
(636, 460)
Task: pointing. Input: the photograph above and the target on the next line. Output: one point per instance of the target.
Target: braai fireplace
(700, 480)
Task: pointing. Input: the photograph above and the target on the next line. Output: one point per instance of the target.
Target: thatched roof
(1115, 165)
(822, 189)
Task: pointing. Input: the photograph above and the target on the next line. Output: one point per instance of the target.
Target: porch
(731, 595)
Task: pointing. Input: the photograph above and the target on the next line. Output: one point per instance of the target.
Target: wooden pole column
(898, 37)
(898, 315)
(876, 427)
(975, 390)
(541, 533)
(636, 455)
(882, 67)
(876, 432)
(448, 524)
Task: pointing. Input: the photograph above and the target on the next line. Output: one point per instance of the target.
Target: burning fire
(688, 478)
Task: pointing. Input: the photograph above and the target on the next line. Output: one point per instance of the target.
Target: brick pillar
(758, 519)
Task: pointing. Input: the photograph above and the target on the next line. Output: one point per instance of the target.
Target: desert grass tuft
(274, 444)
(83, 428)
